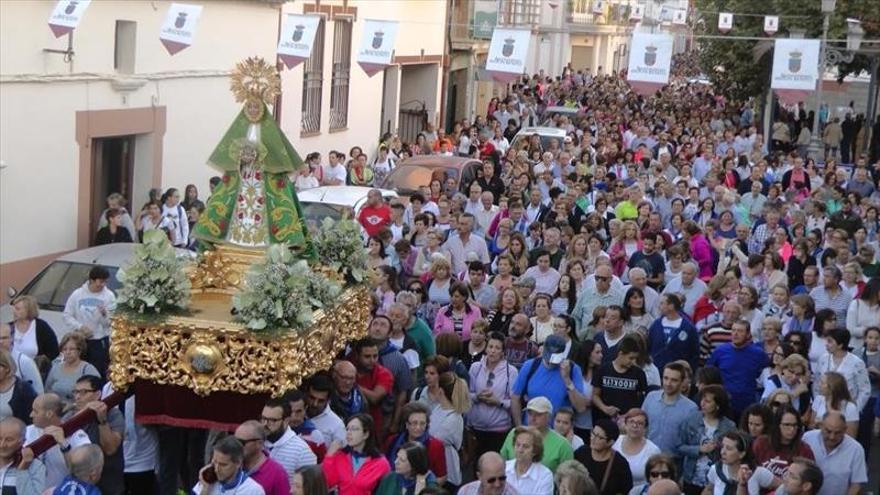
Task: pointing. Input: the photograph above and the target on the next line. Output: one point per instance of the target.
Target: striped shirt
(838, 303)
(291, 451)
(713, 336)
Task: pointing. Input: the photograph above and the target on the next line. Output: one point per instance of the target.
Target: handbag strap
(607, 473)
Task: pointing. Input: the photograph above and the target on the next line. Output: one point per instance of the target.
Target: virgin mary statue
(255, 203)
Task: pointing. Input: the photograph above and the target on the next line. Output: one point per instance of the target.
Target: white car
(545, 133)
(336, 202)
(54, 283)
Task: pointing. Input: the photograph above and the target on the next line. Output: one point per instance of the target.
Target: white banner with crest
(507, 53)
(297, 38)
(66, 16)
(179, 28)
(377, 45)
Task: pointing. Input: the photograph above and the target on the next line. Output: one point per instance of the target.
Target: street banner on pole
(377, 45)
(679, 17)
(485, 18)
(297, 38)
(771, 24)
(725, 22)
(66, 16)
(179, 28)
(507, 54)
(598, 7)
(795, 69)
(650, 59)
(637, 13)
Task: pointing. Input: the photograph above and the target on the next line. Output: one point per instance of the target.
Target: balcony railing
(611, 13)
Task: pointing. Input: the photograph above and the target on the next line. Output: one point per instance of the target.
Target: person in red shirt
(375, 214)
(778, 450)
(373, 379)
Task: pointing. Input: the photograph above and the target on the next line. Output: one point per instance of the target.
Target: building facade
(109, 110)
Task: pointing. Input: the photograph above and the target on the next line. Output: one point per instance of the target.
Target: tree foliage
(741, 68)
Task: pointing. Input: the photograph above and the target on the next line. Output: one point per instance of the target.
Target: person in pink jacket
(358, 468)
(459, 314)
(701, 251)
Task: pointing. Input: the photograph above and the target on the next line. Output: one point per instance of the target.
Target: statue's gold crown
(255, 79)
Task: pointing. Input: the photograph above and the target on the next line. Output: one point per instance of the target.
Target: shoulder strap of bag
(532, 369)
(607, 472)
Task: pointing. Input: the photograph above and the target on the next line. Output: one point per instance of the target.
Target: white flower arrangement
(340, 246)
(155, 279)
(282, 292)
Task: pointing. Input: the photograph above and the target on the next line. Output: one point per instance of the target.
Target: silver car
(54, 283)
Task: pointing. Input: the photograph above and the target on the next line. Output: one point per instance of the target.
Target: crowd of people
(661, 302)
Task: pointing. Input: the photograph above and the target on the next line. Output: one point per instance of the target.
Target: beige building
(118, 113)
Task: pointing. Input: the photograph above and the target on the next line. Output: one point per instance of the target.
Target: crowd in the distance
(660, 302)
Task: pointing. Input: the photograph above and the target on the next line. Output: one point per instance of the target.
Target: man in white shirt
(335, 173)
(46, 413)
(486, 212)
(840, 457)
(88, 310)
(688, 285)
(459, 246)
(317, 399)
(473, 204)
(283, 444)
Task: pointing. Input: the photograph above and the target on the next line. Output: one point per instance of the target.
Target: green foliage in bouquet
(283, 292)
(340, 246)
(154, 281)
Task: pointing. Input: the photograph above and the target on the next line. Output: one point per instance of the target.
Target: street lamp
(829, 57)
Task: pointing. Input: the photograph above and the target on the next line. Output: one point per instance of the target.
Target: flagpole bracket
(68, 54)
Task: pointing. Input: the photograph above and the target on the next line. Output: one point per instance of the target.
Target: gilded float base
(207, 353)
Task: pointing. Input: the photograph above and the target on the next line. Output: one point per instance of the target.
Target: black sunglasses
(661, 474)
(496, 479)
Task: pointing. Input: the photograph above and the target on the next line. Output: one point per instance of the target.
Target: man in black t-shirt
(650, 260)
(620, 385)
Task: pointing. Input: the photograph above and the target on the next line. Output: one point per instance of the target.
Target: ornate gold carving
(254, 82)
(208, 356)
(223, 268)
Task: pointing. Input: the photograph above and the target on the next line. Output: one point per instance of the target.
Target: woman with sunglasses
(658, 467)
(776, 450)
(491, 379)
(737, 469)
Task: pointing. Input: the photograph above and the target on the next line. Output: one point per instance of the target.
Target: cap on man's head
(540, 405)
(554, 349)
(525, 282)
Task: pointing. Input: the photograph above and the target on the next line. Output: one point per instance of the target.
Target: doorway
(112, 171)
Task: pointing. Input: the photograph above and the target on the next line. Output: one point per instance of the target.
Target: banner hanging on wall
(297, 38)
(485, 18)
(66, 16)
(795, 69)
(650, 59)
(507, 54)
(179, 28)
(377, 45)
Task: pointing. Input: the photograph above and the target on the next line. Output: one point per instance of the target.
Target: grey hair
(84, 460)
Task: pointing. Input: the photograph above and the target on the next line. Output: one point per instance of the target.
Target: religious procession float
(267, 302)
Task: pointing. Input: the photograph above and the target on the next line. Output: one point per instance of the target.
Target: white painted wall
(40, 95)
(421, 31)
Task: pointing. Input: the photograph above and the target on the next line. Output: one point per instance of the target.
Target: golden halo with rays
(253, 78)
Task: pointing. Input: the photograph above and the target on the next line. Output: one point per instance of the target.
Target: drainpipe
(445, 63)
